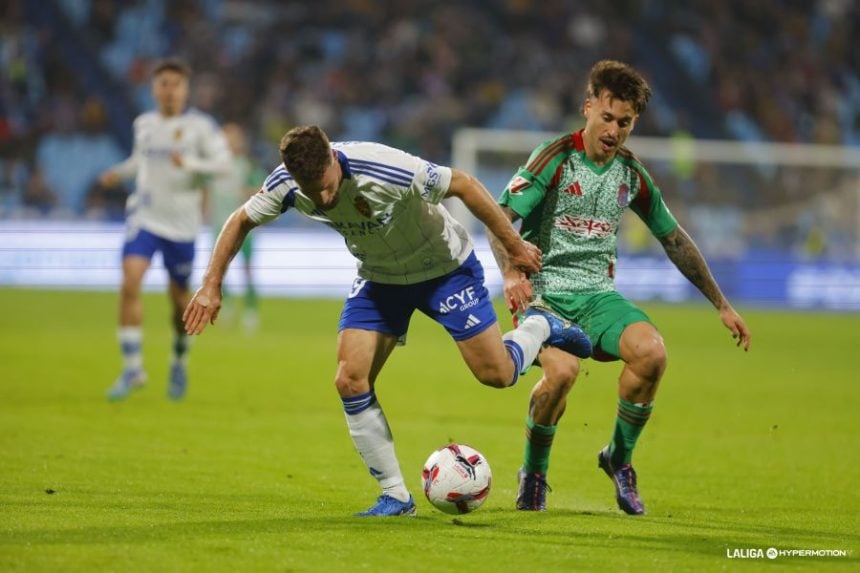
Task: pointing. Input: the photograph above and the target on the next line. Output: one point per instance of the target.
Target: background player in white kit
(171, 146)
(411, 255)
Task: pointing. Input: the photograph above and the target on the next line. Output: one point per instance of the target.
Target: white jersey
(167, 199)
(388, 212)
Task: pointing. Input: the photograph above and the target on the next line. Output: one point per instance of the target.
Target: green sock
(538, 444)
(250, 298)
(628, 425)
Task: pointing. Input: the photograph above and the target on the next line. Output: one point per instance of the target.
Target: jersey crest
(518, 184)
(361, 205)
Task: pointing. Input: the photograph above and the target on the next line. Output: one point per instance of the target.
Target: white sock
(130, 343)
(530, 335)
(372, 437)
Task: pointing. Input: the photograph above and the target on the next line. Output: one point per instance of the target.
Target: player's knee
(560, 376)
(130, 288)
(350, 383)
(495, 377)
(651, 359)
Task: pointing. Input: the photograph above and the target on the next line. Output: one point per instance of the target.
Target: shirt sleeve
(650, 207)
(529, 185)
(276, 196)
(403, 170)
(431, 181)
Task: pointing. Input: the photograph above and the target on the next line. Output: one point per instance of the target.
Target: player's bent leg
(642, 349)
(130, 333)
(489, 359)
(549, 396)
(645, 358)
(546, 406)
(361, 354)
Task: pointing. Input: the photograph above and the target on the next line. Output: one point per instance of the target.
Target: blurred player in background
(571, 195)
(172, 145)
(226, 192)
(411, 255)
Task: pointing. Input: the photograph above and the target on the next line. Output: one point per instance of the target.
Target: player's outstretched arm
(206, 302)
(522, 255)
(124, 170)
(684, 253)
(517, 288)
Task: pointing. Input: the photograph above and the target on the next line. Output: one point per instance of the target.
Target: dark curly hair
(622, 81)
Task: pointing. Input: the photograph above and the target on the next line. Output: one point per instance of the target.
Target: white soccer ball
(457, 479)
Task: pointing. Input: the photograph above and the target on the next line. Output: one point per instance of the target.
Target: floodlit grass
(255, 470)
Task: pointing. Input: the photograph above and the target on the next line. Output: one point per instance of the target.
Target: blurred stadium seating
(413, 72)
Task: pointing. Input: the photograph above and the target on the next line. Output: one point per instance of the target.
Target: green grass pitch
(255, 470)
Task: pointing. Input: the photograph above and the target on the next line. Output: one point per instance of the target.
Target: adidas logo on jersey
(574, 189)
(472, 321)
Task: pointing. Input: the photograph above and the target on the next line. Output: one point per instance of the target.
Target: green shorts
(603, 316)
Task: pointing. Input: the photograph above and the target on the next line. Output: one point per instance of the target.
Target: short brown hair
(306, 152)
(172, 65)
(622, 81)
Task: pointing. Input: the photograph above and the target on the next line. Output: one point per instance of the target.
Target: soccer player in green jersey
(570, 196)
(228, 191)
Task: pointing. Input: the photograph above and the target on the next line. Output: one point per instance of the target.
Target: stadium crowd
(405, 72)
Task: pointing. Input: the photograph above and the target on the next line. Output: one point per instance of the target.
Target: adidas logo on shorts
(472, 321)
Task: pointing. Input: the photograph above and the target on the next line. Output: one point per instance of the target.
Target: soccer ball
(456, 479)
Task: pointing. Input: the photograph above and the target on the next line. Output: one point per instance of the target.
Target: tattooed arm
(685, 255)
(518, 289)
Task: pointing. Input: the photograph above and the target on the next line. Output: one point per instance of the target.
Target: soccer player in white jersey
(172, 145)
(411, 255)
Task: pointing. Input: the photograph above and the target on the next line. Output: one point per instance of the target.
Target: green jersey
(571, 209)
